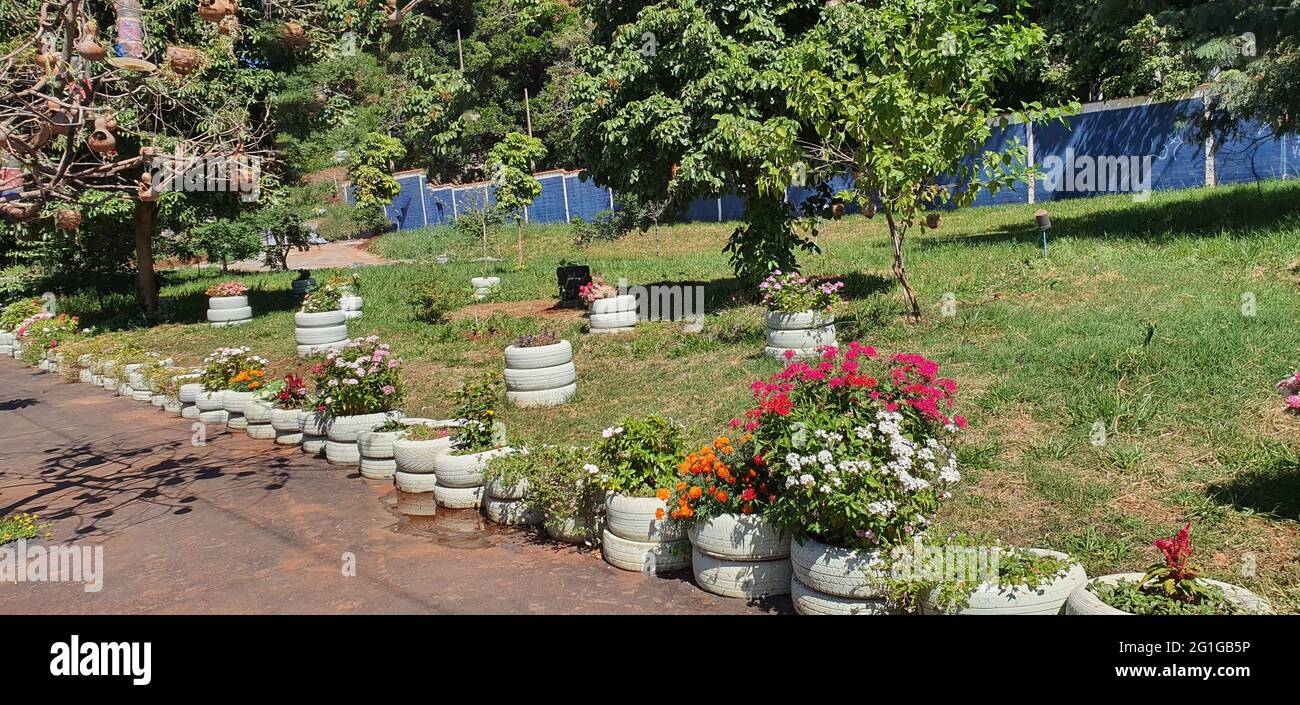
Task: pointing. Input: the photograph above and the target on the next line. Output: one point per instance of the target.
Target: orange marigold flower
(659, 514)
(681, 486)
(662, 493)
(722, 495)
(696, 492)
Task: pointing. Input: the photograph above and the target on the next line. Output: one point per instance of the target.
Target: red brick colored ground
(244, 526)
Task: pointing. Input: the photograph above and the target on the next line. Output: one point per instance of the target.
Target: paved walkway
(243, 526)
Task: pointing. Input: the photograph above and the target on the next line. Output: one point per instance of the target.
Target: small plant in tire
(639, 455)
(220, 367)
(476, 409)
(327, 297)
(1009, 568)
(362, 377)
(1170, 587)
(792, 292)
(227, 288)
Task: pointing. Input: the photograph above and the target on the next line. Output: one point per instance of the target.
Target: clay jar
(101, 139)
(88, 46)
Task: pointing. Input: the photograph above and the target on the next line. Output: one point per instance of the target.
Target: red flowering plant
(290, 393)
(852, 445)
(362, 377)
(721, 478)
(1170, 587)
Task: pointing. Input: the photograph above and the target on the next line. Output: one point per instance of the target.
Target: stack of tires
(376, 448)
(234, 402)
(140, 389)
(257, 414)
(302, 286)
(833, 580)
(616, 314)
(506, 505)
(633, 539)
(459, 478)
(802, 332)
(413, 470)
(315, 429)
(229, 310)
(540, 376)
(319, 332)
(341, 435)
(740, 555)
(483, 287)
(6, 343)
(211, 406)
(351, 306)
(188, 397)
(287, 424)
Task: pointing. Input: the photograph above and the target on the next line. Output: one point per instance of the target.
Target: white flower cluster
(612, 431)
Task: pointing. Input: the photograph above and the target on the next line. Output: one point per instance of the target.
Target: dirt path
(243, 526)
(344, 253)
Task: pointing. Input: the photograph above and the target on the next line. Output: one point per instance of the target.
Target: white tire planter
(540, 376)
(260, 431)
(613, 304)
(839, 572)
(499, 490)
(288, 426)
(415, 483)
(174, 407)
(314, 445)
(258, 411)
(190, 411)
(510, 512)
(109, 383)
(739, 537)
(483, 286)
(457, 497)
(1083, 601)
(6, 338)
(570, 531)
(344, 429)
(236, 422)
(613, 315)
(417, 457)
(319, 332)
(809, 601)
(644, 556)
(633, 518)
(210, 401)
(464, 471)
(216, 416)
(313, 432)
(234, 402)
(190, 392)
(420, 504)
(802, 332)
(229, 310)
(158, 400)
(745, 579)
(85, 376)
(539, 357)
(7, 350)
(341, 453)
(376, 444)
(351, 307)
(378, 468)
(989, 599)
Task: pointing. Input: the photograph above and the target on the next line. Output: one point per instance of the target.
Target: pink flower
(789, 354)
(1293, 402)
(388, 389)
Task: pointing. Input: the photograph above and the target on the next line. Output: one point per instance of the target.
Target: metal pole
(459, 52)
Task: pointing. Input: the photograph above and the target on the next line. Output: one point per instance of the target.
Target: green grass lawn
(1134, 320)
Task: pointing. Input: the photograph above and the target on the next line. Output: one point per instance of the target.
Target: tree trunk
(659, 251)
(146, 286)
(896, 234)
(519, 236)
(485, 243)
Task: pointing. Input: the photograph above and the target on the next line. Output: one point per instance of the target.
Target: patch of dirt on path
(537, 308)
(341, 254)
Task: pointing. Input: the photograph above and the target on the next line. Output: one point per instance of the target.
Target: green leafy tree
(223, 240)
(511, 162)
(371, 172)
(898, 94)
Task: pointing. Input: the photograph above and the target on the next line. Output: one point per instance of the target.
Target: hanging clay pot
(182, 60)
(869, 210)
(294, 35)
(228, 25)
(214, 10)
(88, 46)
(67, 219)
(101, 139)
(144, 189)
(932, 220)
(19, 213)
(43, 59)
(42, 136)
(61, 120)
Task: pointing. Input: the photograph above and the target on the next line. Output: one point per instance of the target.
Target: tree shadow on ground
(15, 404)
(1273, 489)
(1232, 213)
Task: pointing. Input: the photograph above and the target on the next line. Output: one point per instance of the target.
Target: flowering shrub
(362, 377)
(476, 403)
(162, 379)
(852, 443)
(1290, 387)
(1171, 587)
(792, 292)
(251, 380)
(721, 479)
(323, 298)
(348, 284)
(223, 364)
(43, 332)
(637, 457)
(595, 290)
(292, 394)
(19, 311)
(230, 288)
(561, 484)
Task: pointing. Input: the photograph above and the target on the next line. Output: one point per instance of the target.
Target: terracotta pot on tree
(88, 46)
(214, 10)
(101, 139)
(294, 35)
(182, 60)
(67, 219)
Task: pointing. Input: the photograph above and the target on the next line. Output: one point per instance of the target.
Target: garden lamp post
(1044, 224)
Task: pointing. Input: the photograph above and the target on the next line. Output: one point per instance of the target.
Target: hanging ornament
(932, 220)
(144, 189)
(67, 219)
(228, 25)
(101, 139)
(182, 60)
(214, 10)
(88, 46)
(294, 35)
(61, 121)
(130, 38)
(42, 135)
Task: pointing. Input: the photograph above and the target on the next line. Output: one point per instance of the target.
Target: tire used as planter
(510, 512)
(210, 401)
(633, 518)
(483, 286)
(808, 601)
(833, 580)
(990, 599)
(616, 314)
(351, 307)
(457, 497)
(260, 431)
(415, 483)
(314, 428)
(340, 453)
(569, 531)
(417, 457)
(1083, 601)
(229, 310)
(802, 332)
(540, 376)
(464, 471)
(288, 426)
(740, 555)
(647, 557)
(319, 332)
